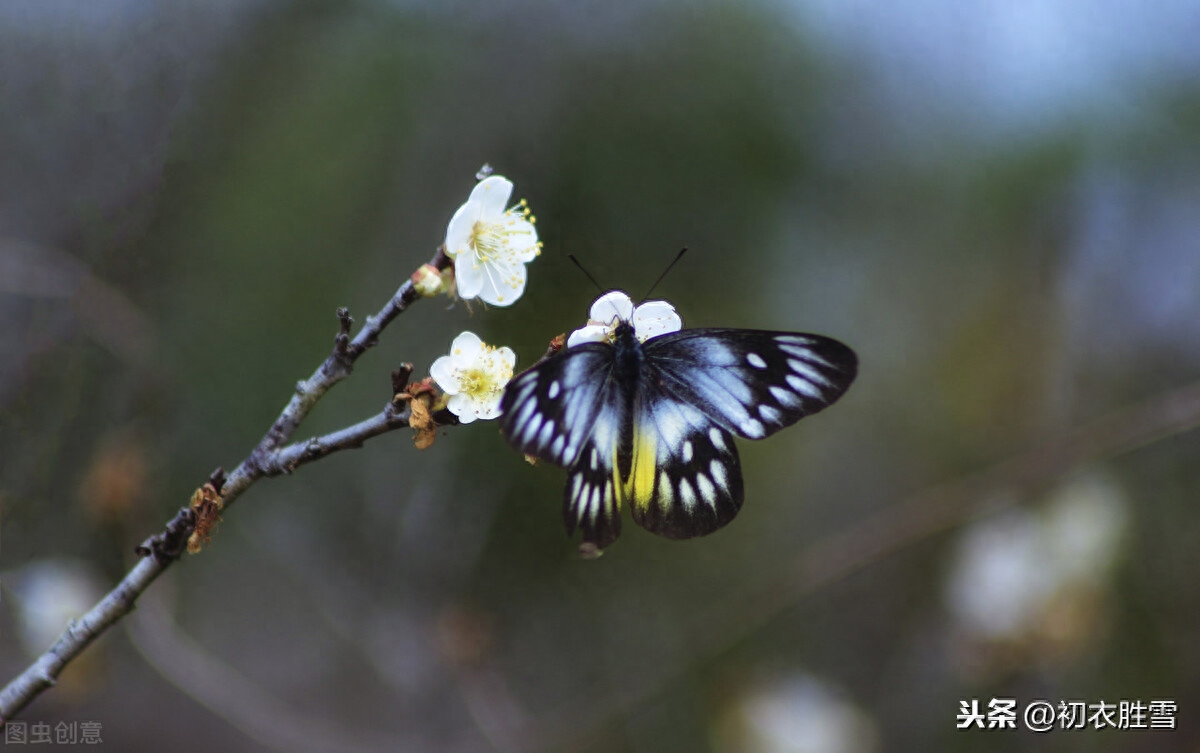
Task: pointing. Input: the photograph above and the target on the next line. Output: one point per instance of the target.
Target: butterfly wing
(681, 476)
(549, 410)
(750, 382)
(568, 411)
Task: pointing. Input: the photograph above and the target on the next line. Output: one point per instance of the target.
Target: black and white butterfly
(643, 413)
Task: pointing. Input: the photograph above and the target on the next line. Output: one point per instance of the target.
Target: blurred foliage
(240, 173)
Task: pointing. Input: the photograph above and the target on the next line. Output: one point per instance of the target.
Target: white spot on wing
(707, 490)
(770, 414)
(547, 432)
(576, 499)
(523, 392)
(718, 473)
(530, 431)
(686, 495)
(753, 428)
(756, 360)
(718, 439)
(557, 448)
(594, 459)
(804, 386)
(807, 371)
(786, 398)
(523, 416)
(687, 451)
(554, 388)
(794, 340)
(666, 495)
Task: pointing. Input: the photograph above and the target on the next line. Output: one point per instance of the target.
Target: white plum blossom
(796, 714)
(474, 376)
(48, 594)
(491, 243)
(650, 319)
(1039, 578)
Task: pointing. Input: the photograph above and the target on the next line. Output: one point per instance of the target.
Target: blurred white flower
(650, 319)
(48, 594)
(1038, 577)
(998, 582)
(491, 244)
(474, 375)
(798, 715)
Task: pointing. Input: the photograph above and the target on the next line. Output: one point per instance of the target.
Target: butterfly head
(614, 317)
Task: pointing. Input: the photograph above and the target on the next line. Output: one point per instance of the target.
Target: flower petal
(458, 232)
(465, 349)
(492, 194)
(654, 318)
(520, 239)
(446, 375)
(489, 409)
(503, 283)
(507, 358)
(615, 304)
(461, 406)
(468, 272)
(593, 333)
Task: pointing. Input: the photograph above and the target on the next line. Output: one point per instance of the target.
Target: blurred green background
(995, 204)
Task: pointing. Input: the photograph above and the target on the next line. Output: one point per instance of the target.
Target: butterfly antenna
(678, 256)
(586, 273)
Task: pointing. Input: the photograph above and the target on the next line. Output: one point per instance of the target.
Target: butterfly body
(651, 424)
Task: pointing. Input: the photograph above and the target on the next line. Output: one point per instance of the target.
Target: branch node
(217, 479)
(341, 343)
(169, 544)
(344, 318)
(441, 260)
(400, 378)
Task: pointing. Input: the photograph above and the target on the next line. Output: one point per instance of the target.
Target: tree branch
(271, 457)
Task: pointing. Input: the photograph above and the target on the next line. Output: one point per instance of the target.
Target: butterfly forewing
(752, 382)
(549, 411)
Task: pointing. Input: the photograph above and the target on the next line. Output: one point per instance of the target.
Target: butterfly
(643, 413)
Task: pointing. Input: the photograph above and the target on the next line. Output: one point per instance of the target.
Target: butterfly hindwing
(684, 478)
(752, 382)
(591, 501)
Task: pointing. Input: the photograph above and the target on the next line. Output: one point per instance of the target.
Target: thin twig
(269, 458)
(335, 368)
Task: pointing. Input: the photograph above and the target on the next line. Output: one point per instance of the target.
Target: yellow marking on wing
(638, 489)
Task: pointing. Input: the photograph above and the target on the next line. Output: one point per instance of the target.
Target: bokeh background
(996, 203)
